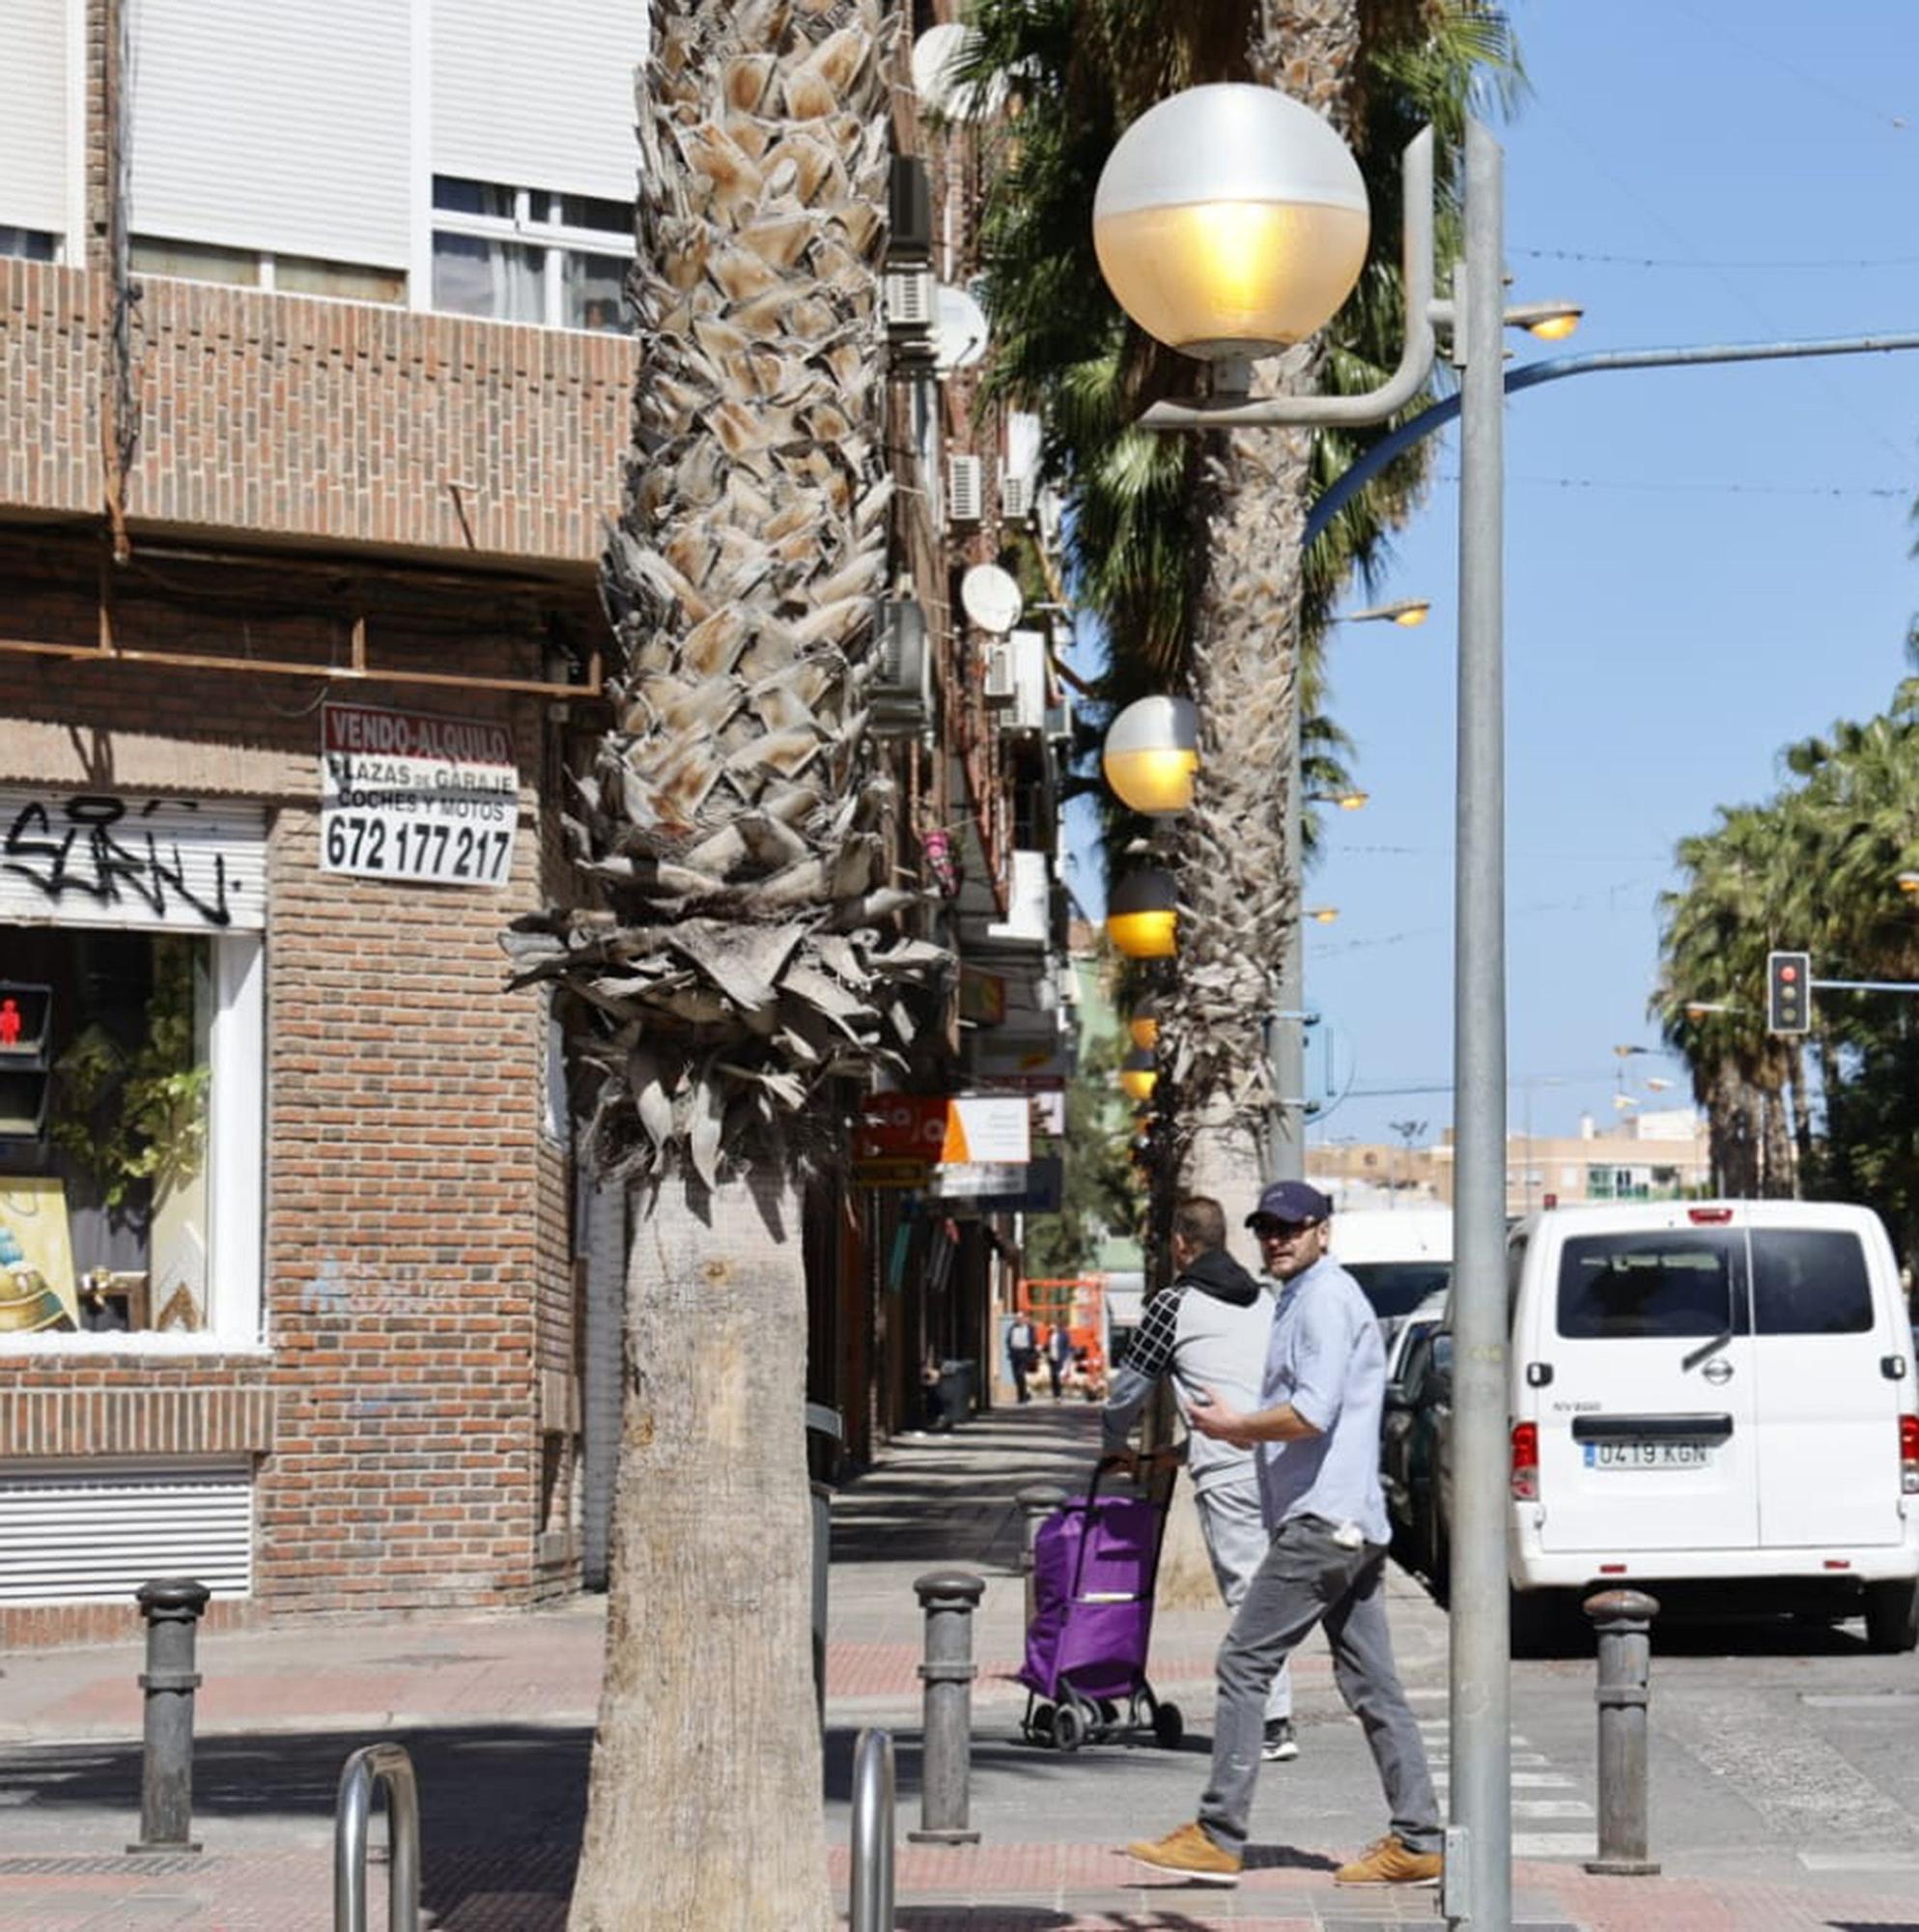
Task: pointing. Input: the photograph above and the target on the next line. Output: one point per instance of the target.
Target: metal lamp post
(1212, 142)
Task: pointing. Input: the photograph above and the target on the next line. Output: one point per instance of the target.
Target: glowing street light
(1142, 915)
(1151, 754)
(1142, 1027)
(1138, 1075)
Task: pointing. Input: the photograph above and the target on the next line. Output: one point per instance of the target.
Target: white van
(1400, 1257)
(1705, 1391)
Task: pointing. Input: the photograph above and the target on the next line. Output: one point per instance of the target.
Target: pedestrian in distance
(1316, 1433)
(1208, 1329)
(1021, 1353)
(1058, 1352)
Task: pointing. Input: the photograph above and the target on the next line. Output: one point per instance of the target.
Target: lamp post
(1213, 148)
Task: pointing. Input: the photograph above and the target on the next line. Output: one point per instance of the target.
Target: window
(1397, 1288)
(521, 254)
(1616, 1287)
(1810, 1280)
(248, 268)
(33, 243)
(129, 1132)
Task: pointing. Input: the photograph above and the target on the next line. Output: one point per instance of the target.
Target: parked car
(1707, 1393)
(1413, 1379)
(1399, 1256)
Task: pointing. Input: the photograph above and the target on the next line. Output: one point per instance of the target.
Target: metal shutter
(153, 865)
(74, 1532)
(263, 125)
(538, 97)
(33, 115)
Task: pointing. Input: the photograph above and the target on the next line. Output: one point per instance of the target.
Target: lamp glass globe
(1141, 916)
(1151, 755)
(1230, 220)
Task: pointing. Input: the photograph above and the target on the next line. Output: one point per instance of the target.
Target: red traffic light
(1789, 974)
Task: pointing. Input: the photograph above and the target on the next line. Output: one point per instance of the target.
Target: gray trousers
(1234, 1524)
(1309, 1578)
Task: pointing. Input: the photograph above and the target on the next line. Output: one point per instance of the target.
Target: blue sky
(1702, 564)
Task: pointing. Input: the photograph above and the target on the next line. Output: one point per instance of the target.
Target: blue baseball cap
(1292, 1201)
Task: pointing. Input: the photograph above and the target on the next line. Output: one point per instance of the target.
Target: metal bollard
(1037, 1501)
(870, 1907)
(376, 1764)
(172, 1607)
(949, 1597)
(1623, 1620)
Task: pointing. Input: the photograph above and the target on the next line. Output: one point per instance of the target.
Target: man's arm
(1282, 1424)
(1146, 1361)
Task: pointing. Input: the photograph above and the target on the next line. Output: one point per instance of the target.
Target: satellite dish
(991, 598)
(935, 65)
(959, 330)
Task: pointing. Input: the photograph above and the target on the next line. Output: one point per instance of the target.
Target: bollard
(172, 1607)
(387, 1764)
(1037, 1501)
(1623, 1620)
(870, 1908)
(949, 1596)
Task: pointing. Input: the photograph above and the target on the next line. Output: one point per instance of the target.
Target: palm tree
(741, 958)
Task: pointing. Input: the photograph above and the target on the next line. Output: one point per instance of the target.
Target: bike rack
(872, 1903)
(368, 1767)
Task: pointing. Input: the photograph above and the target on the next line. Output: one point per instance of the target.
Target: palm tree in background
(1187, 548)
(742, 960)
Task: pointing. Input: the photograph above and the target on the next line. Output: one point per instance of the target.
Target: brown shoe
(1387, 1861)
(1187, 1853)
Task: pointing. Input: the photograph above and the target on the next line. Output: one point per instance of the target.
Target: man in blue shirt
(1316, 1436)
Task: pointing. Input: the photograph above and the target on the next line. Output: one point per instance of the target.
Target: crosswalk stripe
(1555, 1845)
(1522, 1780)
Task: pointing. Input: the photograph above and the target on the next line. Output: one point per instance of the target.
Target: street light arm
(1378, 405)
(1555, 369)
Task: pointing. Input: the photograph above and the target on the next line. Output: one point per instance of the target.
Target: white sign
(987, 1127)
(969, 1181)
(408, 796)
(136, 862)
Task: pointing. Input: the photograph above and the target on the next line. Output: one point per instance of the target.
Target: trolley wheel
(1038, 1726)
(1168, 1726)
(1109, 1713)
(1069, 1728)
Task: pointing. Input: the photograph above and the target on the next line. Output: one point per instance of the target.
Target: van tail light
(1908, 1455)
(1526, 1461)
(1708, 1217)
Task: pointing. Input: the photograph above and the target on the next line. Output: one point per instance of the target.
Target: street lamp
(1908, 882)
(1181, 179)
(1138, 1075)
(1142, 915)
(1151, 754)
(1143, 1026)
(1409, 613)
(1346, 801)
(1322, 915)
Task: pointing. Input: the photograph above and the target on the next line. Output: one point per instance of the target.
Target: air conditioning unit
(966, 490)
(909, 298)
(901, 696)
(1017, 497)
(1003, 683)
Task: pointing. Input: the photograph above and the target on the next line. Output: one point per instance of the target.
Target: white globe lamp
(1230, 222)
(1150, 754)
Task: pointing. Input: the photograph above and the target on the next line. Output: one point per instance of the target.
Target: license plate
(1647, 1455)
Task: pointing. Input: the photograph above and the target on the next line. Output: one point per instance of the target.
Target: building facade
(317, 381)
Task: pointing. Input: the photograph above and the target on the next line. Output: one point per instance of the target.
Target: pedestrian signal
(1788, 992)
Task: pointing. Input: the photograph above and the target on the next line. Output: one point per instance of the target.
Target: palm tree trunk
(706, 1710)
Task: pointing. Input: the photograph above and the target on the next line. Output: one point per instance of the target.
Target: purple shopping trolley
(1094, 1562)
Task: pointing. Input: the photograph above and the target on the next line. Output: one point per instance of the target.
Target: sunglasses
(1281, 1230)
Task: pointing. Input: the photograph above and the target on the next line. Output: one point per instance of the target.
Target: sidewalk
(497, 1712)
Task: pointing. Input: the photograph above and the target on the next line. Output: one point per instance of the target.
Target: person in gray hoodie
(1209, 1328)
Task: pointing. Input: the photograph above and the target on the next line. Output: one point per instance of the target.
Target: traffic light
(1788, 992)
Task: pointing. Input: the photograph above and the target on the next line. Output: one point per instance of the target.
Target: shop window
(520, 254)
(130, 1135)
(34, 243)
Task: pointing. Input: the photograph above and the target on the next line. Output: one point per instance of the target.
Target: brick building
(289, 1222)
(316, 387)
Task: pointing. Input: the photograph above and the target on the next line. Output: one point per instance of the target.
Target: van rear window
(1810, 1280)
(1397, 1288)
(1615, 1287)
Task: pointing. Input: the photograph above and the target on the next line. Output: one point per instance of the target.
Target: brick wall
(417, 1420)
(295, 417)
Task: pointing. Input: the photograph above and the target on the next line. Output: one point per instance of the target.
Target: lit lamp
(1142, 915)
(1322, 915)
(1144, 1026)
(1230, 222)
(1908, 882)
(1151, 751)
(1138, 1075)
